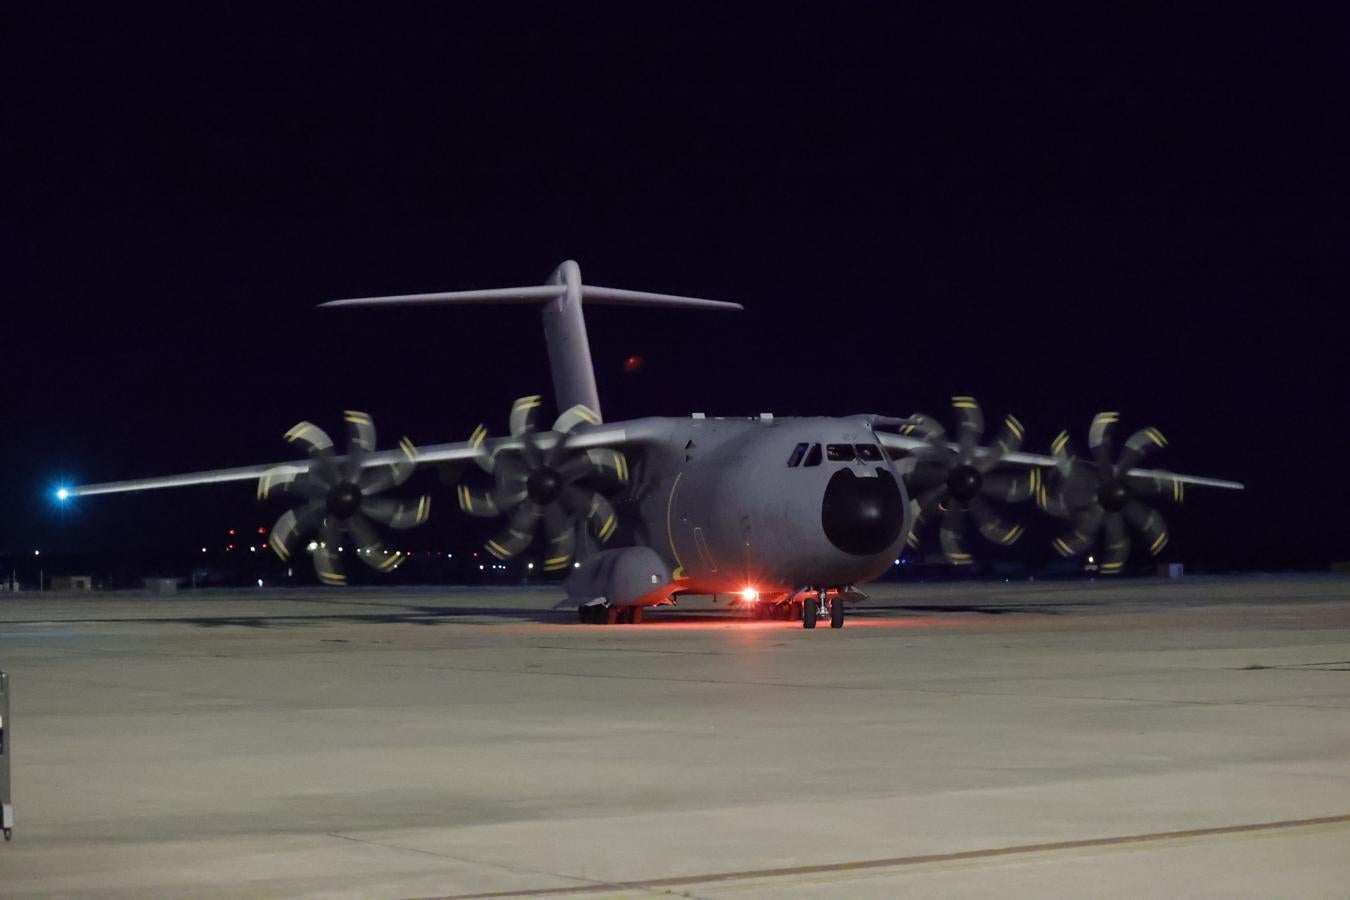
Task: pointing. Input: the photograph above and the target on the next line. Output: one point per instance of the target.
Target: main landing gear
(823, 605)
(599, 614)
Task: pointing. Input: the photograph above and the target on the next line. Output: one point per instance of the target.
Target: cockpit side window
(868, 452)
(812, 456)
(839, 452)
(797, 453)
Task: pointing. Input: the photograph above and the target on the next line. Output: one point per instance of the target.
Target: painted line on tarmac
(898, 861)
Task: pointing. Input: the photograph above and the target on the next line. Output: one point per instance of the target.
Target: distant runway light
(37, 552)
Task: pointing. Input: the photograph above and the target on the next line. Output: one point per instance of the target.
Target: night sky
(1055, 212)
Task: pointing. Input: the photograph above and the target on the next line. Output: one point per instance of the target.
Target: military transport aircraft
(789, 514)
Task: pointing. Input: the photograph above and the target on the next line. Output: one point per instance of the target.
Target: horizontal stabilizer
(561, 299)
(590, 293)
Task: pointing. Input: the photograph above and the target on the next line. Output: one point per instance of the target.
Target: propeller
(545, 485)
(1101, 498)
(957, 479)
(340, 496)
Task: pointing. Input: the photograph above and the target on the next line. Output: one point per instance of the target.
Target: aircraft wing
(600, 436)
(905, 444)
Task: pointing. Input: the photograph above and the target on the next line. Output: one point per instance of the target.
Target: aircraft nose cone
(862, 516)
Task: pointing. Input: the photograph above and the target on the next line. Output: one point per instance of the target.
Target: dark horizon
(1055, 214)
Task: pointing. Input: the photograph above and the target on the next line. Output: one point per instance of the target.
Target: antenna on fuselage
(569, 349)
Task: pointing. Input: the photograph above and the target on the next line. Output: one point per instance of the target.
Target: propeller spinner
(545, 485)
(341, 497)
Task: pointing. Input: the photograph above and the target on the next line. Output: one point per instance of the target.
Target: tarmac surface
(1186, 738)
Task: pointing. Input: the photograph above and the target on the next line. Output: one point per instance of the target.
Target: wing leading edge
(909, 445)
(605, 436)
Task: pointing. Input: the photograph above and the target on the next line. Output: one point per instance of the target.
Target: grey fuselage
(721, 503)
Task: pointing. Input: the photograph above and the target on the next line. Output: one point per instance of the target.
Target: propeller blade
(294, 524)
(480, 453)
(310, 436)
(1077, 541)
(576, 467)
(1062, 451)
(1009, 440)
(360, 430)
(1012, 487)
(534, 456)
(927, 474)
(931, 500)
(1099, 441)
(1117, 544)
(327, 563)
(926, 427)
(369, 548)
(518, 534)
(476, 503)
(577, 415)
(970, 426)
(1078, 490)
(378, 479)
(286, 482)
(994, 528)
(602, 518)
(1010, 436)
(952, 537)
(398, 513)
(1049, 493)
(561, 537)
(1147, 521)
(512, 476)
(916, 517)
(318, 445)
(611, 462)
(1140, 444)
(524, 412)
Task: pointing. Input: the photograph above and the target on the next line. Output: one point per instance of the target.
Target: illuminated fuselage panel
(777, 505)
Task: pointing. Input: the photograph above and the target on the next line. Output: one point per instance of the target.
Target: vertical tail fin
(569, 350)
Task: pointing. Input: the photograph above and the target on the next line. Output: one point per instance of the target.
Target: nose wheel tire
(837, 612)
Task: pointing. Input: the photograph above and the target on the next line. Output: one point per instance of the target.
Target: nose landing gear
(821, 606)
